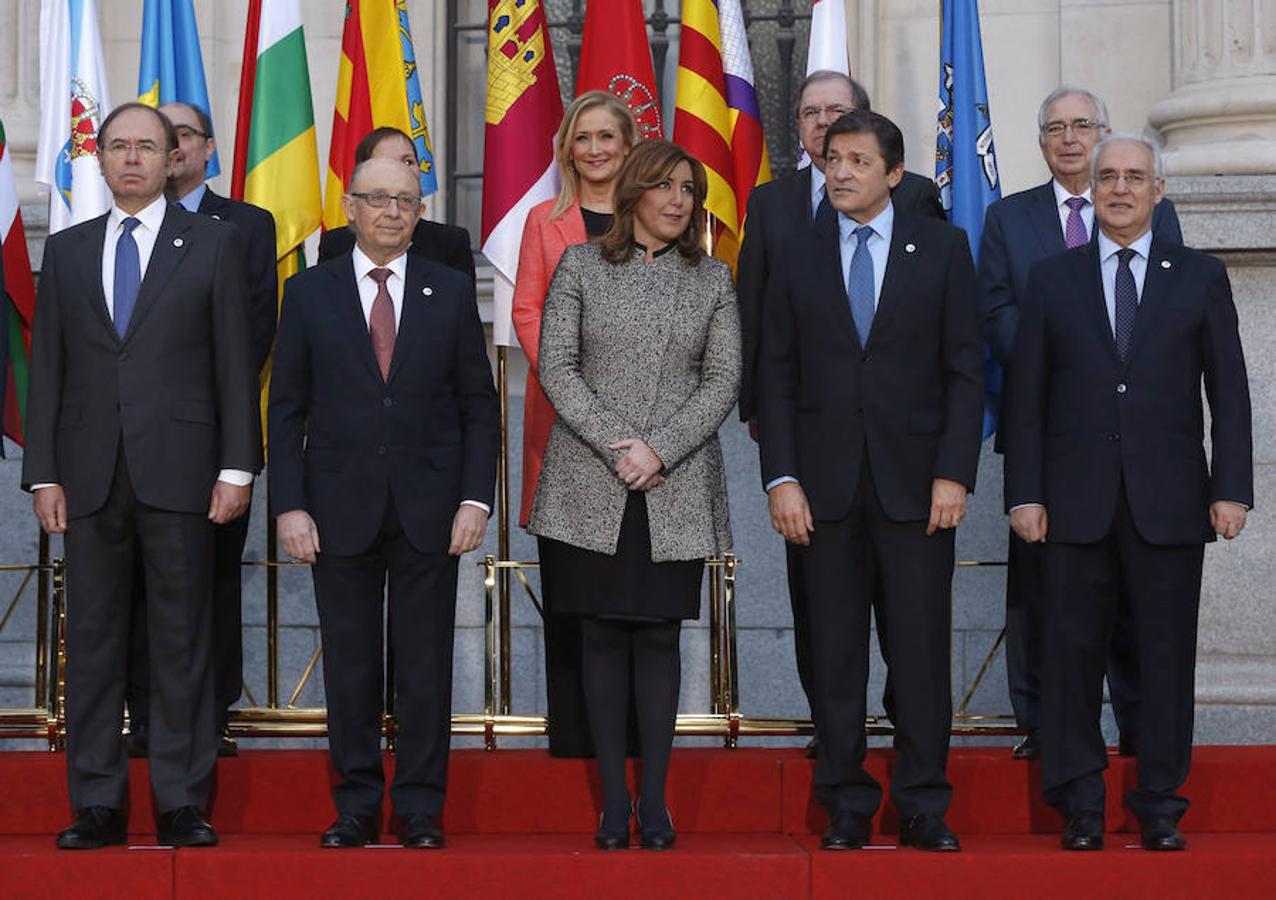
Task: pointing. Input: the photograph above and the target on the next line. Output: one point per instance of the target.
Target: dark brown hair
(363, 152)
(170, 133)
(650, 163)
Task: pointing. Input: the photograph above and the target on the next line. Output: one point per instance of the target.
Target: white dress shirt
(1108, 263)
(1061, 197)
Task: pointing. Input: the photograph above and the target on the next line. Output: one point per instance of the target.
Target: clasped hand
(640, 467)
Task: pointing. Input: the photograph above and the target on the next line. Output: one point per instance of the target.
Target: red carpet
(519, 824)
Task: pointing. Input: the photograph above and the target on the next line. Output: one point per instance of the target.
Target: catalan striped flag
(276, 156)
(171, 68)
(17, 302)
(377, 85)
(748, 145)
(523, 110)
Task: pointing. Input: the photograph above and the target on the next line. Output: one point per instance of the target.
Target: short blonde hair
(562, 141)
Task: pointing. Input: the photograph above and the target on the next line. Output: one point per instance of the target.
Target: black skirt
(625, 586)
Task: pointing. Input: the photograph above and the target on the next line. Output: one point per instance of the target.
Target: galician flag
(377, 85)
(17, 302)
(73, 103)
(171, 69)
(523, 111)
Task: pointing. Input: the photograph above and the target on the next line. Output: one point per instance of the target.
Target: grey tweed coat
(638, 349)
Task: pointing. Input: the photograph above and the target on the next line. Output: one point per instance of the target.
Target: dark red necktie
(381, 322)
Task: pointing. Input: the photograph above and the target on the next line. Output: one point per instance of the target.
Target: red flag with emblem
(615, 56)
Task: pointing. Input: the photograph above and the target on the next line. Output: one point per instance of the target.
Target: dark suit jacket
(776, 210)
(1080, 422)
(179, 390)
(342, 438)
(257, 235)
(448, 245)
(913, 395)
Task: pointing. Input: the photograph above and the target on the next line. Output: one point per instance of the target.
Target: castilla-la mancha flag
(615, 56)
(523, 111)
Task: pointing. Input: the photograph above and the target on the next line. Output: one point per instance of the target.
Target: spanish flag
(377, 85)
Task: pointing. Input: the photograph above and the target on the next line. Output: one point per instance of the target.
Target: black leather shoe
(1161, 833)
(226, 745)
(185, 827)
(1028, 748)
(613, 831)
(657, 833)
(1084, 832)
(421, 832)
(1126, 745)
(812, 748)
(95, 826)
(928, 832)
(847, 831)
(137, 742)
(350, 831)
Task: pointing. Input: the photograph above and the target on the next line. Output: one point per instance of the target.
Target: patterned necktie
(128, 276)
(381, 322)
(859, 285)
(1126, 300)
(824, 212)
(1074, 234)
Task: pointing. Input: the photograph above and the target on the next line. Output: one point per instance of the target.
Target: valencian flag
(171, 68)
(73, 103)
(17, 302)
(965, 161)
(377, 85)
(615, 56)
(523, 110)
(276, 156)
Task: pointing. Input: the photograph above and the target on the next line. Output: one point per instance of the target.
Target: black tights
(607, 647)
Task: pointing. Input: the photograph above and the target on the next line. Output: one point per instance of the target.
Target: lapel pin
(177, 242)
(429, 292)
(217, 217)
(909, 248)
(1165, 264)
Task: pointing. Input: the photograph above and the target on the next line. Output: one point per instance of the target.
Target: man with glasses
(256, 226)
(384, 429)
(143, 431)
(1019, 231)
(1106, 470)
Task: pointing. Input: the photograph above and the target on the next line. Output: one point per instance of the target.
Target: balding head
(383, 203)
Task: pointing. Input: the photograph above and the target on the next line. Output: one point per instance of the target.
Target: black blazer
(1080, 422)
(914, 395)
(776, 210)
(179, 391)
(342, 438)
(257, 236)
(448, 245)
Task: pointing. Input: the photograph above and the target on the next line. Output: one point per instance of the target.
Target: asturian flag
(965, 160)
(73, 103)
(523, 111)
(171, 69)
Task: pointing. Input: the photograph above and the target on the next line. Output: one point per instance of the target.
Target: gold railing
(43, 719)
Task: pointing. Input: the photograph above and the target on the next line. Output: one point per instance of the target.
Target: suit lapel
(1157, 282)
(901, 262)
(799, 198)
(171, 245)
(90, 247)
(350, 310)
(1044, 216)
(412, 318)
(211, 204)
(571, 227)
(1095, 306)
(828, 262)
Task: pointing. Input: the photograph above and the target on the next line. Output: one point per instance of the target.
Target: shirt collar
(882, 224)
(192, 200)
(151, 216)
(1107, 247)
(363, 265)
(1062, 195)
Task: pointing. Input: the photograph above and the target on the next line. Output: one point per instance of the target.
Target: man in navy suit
(384, 428)
(1019, 231)
(1105, 467)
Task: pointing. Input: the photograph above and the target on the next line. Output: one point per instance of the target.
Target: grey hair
(1158, 163)
(859, 96)
(1070, 90)
(359, 170)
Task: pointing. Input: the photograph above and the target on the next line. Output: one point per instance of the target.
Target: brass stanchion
(42, 655)
(272, 609)
(491, 660)
(57, 700)
(503, 528)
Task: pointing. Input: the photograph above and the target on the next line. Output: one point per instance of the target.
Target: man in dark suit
(143, 429)
(256, 226)
(1019, 231)
(776, 210)
(1105, 464)
(384, 429)
(439, 242)
(870, 402)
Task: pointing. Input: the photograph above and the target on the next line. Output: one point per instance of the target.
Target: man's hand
(298, 534)
(1030, 523)
(50, 508)
(947, 504)
(1226, 517)
(639, 465)
(468, 527)
(229, 502)
(790, 513)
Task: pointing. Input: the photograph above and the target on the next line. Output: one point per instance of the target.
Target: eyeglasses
(833, 111)
(1080, 127)
(1108, 178)
(143, 148)
(185, 131)
(378, 200)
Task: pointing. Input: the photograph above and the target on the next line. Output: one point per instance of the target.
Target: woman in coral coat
(591, 146)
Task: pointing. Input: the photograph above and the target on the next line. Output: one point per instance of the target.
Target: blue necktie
(128, 276)
(859, 285)
(824, 212)
(1126, 300)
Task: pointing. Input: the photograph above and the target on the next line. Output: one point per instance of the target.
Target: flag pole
(503, 528)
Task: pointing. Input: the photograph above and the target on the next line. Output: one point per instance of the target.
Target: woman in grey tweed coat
(640, 357)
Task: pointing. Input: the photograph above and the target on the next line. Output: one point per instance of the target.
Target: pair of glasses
(1080, 127)
(185, 131)
(833, 112)
(1133, 180)
(378, 200)
(142, 148)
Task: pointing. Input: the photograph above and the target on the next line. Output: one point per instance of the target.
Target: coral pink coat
(544, 241)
